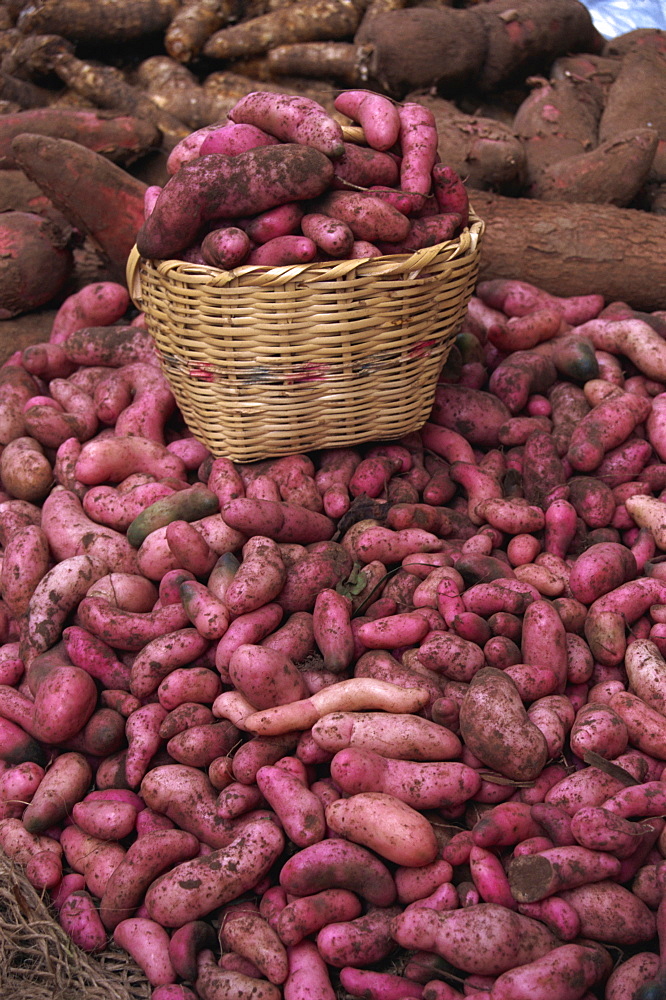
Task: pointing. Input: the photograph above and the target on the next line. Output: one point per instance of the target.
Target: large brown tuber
(35, 262)
(488, 45)
(568, 249)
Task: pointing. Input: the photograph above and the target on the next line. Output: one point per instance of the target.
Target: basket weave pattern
(273, 361)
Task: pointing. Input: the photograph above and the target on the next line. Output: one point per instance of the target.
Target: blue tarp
(616, 17)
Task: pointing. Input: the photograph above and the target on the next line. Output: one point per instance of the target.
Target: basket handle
(132, 275)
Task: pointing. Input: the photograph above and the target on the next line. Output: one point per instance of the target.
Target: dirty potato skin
(495, 727)
(195, 888)
(486, 939)
(223, 187)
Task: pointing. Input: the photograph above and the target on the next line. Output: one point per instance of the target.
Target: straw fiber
(38, 960)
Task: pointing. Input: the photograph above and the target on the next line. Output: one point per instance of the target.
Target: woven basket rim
(329, 270)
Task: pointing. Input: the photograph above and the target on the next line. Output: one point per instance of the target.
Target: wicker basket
(274, 361)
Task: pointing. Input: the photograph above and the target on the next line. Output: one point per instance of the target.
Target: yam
(105, 21)
(567, 249)
(98, 197)
(121, 138)
(305, 21)
(35, 262)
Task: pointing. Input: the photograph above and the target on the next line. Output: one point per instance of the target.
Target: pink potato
(533, 877)
(112, 459)
(598, 729)
(62, 786)
(185, 944)
(186, 796)
(308, 974)
(319, 568)
(495, 727)
(265, 676)
(306, 915)
(54, 598)
(105, 820)
(127, 630)
(259, 578)
(369, 217)
(376, 114)
(332, 630)
(26, 559)
(184, 716)
(299, 810)
(201, 742)
(627, 978)
(99, 304)
(148, 944)
(282, 251)
(387, 825)
(398, 735)
(290, 118)
(189, 684)
(194, 888)
(216, 186)
(485, 939)
(226, 247)
(162, 655)
(281, 521)
(364, 167)
(611, 914)
(215, 982)
(405, 629)
(248, 934)
(567, 971)
(354, 694)
(333, 237)
(418, 145)
(598, 829)
(336, 863)
(89, 652)
(364, 940)
(79, 917)
(231, 138)
(421, 785)
(147, 858)
(64, 700)
(92, 857)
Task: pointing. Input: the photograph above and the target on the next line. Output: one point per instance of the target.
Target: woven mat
(38, 960)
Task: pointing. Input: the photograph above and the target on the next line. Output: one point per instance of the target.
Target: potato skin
(495, 727)
(194, 888)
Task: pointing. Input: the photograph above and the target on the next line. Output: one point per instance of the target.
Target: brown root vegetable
(567, 249)
(485, 152)
(611, 174)
(35, 262)
(344, 62)
(106, 21)
(447, 48)
(23, 93)
(31, 56)
(96, 196)
(637, 98)
(306, 21)
(558, 119)
(20, 194)
(176, 91)
(107, 87)
(586, 67)
(193, 24)
(121, 138)
(423, 47)
(536, 33)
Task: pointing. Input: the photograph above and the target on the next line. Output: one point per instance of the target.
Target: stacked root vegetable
(385, 721)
